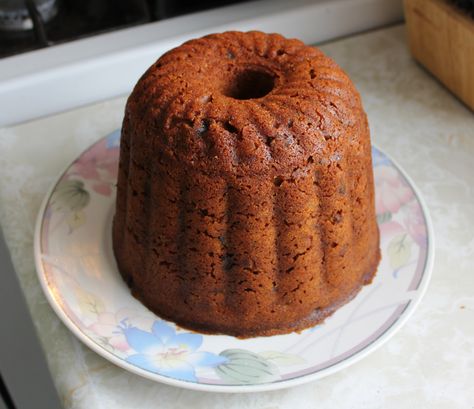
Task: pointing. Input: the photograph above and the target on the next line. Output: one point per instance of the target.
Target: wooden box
(441, 38)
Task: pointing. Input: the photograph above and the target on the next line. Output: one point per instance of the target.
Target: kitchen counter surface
(428, 363)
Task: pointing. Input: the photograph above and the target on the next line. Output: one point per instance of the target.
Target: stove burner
(16, 15)
(27, 25)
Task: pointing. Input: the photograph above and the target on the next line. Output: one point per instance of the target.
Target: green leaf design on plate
(281, 358)
(70, 195)
(76, 220)
(399, 250)
(245, 367)
(384, 217)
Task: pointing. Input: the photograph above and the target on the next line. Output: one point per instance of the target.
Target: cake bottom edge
(317, 316)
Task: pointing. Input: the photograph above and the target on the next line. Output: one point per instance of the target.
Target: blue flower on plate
(378, 158)
(167, 353)
(113, 140)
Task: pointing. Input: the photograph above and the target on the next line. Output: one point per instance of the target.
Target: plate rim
(282, 384)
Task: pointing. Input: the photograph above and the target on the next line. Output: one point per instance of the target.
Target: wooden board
(441, 38)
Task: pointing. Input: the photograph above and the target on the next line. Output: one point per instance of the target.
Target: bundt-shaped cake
(245, 197)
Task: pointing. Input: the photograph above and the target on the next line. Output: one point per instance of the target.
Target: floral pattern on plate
(77, 270)
(165, 352)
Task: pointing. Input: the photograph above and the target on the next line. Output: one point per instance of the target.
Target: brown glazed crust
(245, 197)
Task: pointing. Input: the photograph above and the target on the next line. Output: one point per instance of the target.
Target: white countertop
(428, 363)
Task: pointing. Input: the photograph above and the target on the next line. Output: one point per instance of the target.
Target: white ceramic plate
(77, 270)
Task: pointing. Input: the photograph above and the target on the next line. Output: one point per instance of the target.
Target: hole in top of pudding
(249, 83)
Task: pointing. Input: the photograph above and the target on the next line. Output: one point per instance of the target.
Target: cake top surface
(244, 102)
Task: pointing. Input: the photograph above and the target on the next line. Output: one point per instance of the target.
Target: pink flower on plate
(391, 192)
(104, 189)
(108, 326)
(98, 164)
(390, 229)
(415, 223)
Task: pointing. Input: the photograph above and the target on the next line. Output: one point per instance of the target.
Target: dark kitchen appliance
(27, 25)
